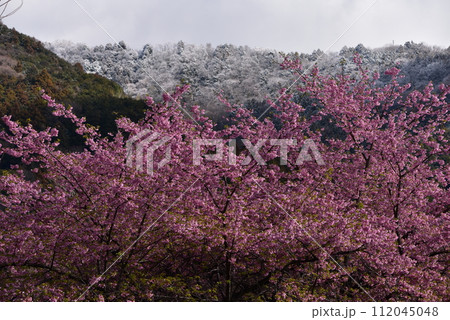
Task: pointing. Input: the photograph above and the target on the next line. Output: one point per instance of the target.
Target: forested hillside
(244, 75)
(26, 67)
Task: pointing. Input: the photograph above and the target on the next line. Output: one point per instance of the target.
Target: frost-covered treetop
(239, 72)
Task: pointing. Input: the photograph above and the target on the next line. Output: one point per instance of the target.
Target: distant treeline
(244, 75)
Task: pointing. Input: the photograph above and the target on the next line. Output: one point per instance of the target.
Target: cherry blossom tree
(368, 224)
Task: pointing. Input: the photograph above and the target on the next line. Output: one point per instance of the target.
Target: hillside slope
(26, 67)
(244, 75)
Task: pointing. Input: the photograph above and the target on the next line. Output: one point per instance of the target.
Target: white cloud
(289, 25)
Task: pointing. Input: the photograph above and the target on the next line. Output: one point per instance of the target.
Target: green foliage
(30, 68)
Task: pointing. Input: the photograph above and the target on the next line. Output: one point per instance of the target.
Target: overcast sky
(288, 25)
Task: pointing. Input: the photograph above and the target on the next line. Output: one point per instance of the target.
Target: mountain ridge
(27, 67)
(242, 74)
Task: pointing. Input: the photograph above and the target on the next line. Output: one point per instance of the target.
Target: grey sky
(288, 25)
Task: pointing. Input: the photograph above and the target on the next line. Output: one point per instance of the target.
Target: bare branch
(4, 12)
